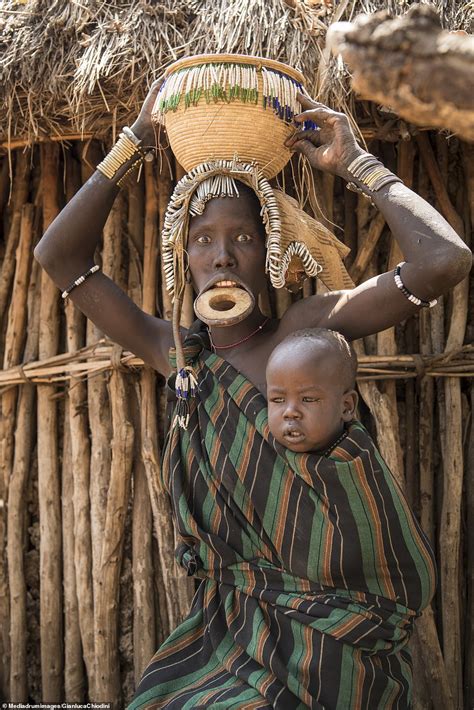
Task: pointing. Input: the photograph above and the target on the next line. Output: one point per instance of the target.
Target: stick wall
(88, 582)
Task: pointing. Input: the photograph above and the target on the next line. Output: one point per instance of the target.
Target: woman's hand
(332, 146)
(143, 128)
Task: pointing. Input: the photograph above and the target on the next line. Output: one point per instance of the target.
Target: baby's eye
(276, 400)
(244, 238)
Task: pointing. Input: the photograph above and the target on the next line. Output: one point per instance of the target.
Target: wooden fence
(88, 583)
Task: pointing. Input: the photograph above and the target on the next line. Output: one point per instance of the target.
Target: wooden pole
(144, 623)
(425, 434)
(469, 632)
(19, 198)
(176, 603)
(49, 488)
(80, 452)
(8, 402)
(108, 687)
(450, 531)
(24, 275)
(100, 457)
(74, 676)
(468, 164)
(107, 674)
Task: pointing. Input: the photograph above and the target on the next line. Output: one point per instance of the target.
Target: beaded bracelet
(80, 280)
(411, 297)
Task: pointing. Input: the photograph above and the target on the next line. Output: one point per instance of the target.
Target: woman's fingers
(318, 115)
(312, 135)
(307, 102)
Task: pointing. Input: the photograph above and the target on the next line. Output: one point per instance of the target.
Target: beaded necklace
(239, 342)
(336, 443)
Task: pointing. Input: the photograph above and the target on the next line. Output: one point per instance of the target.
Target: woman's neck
(235, 335)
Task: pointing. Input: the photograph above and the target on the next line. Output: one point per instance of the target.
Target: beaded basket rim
(196, 59)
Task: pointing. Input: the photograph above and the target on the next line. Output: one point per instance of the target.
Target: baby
(310, 390)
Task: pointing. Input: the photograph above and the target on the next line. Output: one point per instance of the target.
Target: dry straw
(70, 67)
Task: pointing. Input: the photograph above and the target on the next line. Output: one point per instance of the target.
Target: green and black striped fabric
(313, 569)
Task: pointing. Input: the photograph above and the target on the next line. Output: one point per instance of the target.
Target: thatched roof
(84, 65)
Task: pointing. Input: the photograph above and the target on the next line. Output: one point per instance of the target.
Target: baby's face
(307, 402)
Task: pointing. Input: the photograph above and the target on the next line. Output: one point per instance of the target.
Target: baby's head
(310, 389)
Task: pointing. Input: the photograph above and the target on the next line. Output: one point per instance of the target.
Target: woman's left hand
(332, 146)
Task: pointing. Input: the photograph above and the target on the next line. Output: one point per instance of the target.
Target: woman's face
(226, 243)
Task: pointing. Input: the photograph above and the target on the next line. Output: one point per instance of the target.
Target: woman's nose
(224, 258)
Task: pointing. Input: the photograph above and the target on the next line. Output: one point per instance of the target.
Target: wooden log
(469, 626)
(21, 466)
(8, 402)
(436, 669)
(5, 186)
(100, 454)
(107, 667)
(173, 579)
(144, 622)
(425, 434)
(107, 674)
(144, 637)
(468, 164)
(74, 672)
(49, 489)
(409, 63)
(450, 528)
(80, 450)
(19, 198)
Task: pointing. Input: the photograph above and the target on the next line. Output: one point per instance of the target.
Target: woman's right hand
(143, 127)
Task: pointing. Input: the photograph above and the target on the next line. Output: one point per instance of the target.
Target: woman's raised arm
(67, 248)
(436, 257)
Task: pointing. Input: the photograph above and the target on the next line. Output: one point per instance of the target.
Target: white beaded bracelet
(80, 280)
(408, 294)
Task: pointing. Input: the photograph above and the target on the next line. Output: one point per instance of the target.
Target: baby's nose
(291, 411)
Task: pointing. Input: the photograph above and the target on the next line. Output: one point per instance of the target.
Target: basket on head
(226, 106)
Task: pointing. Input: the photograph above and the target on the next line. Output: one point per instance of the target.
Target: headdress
(227, 117)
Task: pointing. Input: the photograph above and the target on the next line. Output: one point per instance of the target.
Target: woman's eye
(244, 238)
(203, 239)
(311, 399)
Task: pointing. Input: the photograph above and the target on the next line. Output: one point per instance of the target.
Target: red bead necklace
(239, 342)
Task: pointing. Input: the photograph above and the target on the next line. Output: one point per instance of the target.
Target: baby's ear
(349, 405)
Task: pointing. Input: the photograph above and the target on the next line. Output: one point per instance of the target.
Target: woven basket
(226, 106)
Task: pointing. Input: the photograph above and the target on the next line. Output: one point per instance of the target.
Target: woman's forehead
(243, 210)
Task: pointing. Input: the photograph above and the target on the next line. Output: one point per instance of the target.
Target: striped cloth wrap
(313, 569)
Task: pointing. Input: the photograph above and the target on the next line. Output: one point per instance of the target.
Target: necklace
(336, 443)
(239, 342)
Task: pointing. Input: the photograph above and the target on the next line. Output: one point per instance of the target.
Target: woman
(274, 624)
